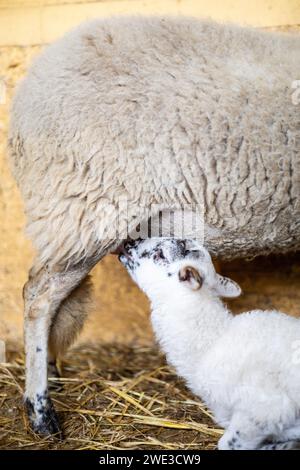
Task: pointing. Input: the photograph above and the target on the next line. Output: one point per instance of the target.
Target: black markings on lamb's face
(195, 254)
(162, 251)
(127, 256)
(129, 263)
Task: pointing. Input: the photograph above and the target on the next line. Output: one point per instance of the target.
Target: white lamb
(244, 367)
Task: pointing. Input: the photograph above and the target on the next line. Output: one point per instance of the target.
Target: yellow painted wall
(120, 312)
(27, 22)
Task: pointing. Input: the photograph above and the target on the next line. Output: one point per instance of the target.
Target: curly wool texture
(166, 111)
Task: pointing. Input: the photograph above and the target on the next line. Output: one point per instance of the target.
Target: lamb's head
(160, 265)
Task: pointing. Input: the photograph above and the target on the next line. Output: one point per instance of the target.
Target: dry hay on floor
(111, 397)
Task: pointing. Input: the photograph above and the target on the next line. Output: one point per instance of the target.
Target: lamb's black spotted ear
(191, 277)
(225, 287)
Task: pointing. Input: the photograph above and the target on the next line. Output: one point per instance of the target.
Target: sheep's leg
(289, 439)
(68, 322)
(52, 367)
(288, 445)
(37, 298)
(230, 440)
(66, 326)
(245, 433)
(71, 314)
(242, 434)
(43, 294)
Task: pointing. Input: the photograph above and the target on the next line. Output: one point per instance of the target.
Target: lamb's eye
(159, 255)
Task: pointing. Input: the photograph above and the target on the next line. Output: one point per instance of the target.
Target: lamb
(241, 366)
(126, 118)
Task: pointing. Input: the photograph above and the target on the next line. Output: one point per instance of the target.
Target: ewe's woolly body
(168, 111)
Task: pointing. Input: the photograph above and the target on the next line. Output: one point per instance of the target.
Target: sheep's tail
(289, 445)
(69, 319)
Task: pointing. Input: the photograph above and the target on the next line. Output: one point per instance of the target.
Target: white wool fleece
(159, 111)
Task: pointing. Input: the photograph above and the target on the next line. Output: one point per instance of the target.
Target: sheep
(241, 366)
(124, 119)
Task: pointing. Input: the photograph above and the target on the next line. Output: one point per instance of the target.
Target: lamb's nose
(126, 250)
(124, 256)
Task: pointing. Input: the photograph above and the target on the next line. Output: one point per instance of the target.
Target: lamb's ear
(191, 277)
(225, 287)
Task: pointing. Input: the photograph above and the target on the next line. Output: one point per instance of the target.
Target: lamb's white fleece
(244, 367)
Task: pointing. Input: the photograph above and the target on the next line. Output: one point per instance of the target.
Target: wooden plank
(37, 22)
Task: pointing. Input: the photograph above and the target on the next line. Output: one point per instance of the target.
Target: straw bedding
(110, 397)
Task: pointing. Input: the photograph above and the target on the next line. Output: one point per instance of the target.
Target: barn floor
(110, 397)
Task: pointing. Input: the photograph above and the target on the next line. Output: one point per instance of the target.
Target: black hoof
(42, 416)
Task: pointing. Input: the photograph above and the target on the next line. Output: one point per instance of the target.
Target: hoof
(42, 416)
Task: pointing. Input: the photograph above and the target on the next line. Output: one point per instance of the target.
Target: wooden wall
(28, 22)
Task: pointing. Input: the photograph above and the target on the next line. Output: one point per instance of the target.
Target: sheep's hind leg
(288, 445)
(288, 440)
(231, 440)
(66, 325)
(242, 434)
(43, 294)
